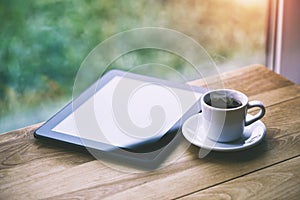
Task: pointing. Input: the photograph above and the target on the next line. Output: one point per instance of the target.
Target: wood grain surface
(34, 169)
(277, 182)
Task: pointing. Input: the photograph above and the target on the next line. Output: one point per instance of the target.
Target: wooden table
(31, 169)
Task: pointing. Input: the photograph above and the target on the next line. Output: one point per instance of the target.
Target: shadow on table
(144, 157)
(237, 156)
(153, 160)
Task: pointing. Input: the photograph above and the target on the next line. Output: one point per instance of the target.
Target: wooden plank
(277, 95)
(280, 181)
(250, 80)
(22, 157)
(283, 119)
(182, 177)
(26, 149)
(15, 135)
(27, 165)
(185, 177)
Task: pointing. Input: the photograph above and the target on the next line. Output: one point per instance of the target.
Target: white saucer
(253, 134)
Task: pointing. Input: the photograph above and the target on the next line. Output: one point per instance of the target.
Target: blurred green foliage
(43, 42)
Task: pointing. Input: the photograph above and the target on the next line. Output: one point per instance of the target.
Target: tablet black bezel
(45, 131)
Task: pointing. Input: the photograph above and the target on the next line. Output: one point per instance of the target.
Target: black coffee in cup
(221, 100)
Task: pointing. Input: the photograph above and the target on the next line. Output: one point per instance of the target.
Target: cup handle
(259, 115)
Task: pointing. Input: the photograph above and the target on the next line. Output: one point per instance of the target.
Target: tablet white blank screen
(148, 111)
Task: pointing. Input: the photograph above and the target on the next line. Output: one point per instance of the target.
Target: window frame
(283, 39)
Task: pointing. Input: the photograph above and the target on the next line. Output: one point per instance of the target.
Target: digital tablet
(124, 110)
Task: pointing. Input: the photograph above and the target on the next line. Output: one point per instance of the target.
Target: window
(284, 39)
(42, 43)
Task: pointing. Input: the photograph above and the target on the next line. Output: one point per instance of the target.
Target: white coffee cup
(224, 114)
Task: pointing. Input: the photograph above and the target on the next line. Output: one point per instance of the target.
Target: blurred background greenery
(43, 43)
